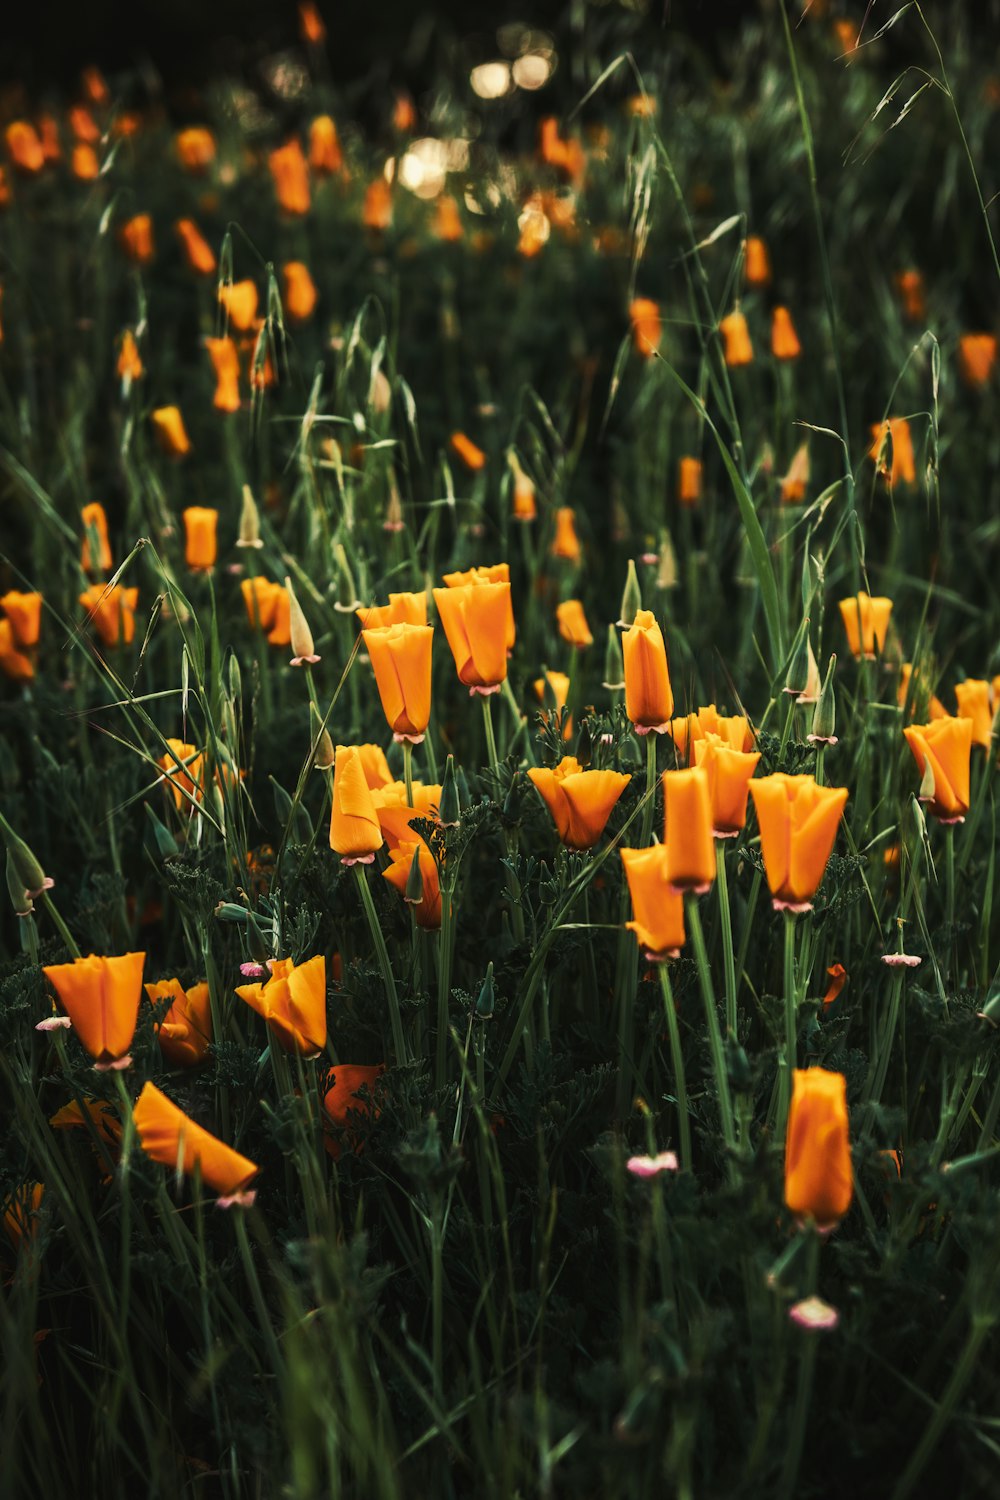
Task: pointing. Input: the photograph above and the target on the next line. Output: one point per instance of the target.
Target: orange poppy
(977, 354)
(293, 1003)
(14, 665)
(689, 481)
(136, 238)
(402, 609)
(300, 291)
(197, 251)
(195, 148)
(25, 147)
(342, 1100)
(894, 434)
(101, 997)
(226, 364)
(647, 327)
(24, 611)
(111, 611)
(757, 262)
(494, 573)
(819, 1182)
(866, 621)
(129, 363)
(942, 750)
(376, 211)
(736, 339)
(581, 802)
(649, 699)
(240, 299)
(355, 832)
(268, 608)
(475, 620)
(200, 523)
(95, 527)
(325, 155)
(572, 623)
(170, 1137)
(426, 911)
(659, 908)
(401, 660)
(729, 773)
(687, 837)
(784, 340)
(794, 483)
(84, 163)
(185, 1032)
(910, 285)
(566, 543)
(472, 457)
(168, 424)
(290, 172)
(798, 822)
(973, 698)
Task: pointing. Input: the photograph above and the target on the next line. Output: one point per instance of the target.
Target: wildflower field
(499, 728)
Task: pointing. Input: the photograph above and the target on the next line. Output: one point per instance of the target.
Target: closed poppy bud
(25, 147)
(866, 621)
(291, 178)
(977, 354)
(494, 573)
(475, 618)
(910, 285)
(572, 624)
(566, 543)
(182, 767)
(268, 608)
(293, 1003)
(168, 424)
(427, 909)
(893, 437)
(581, 802)
(14, 665)
(525, 506)
(784, 340)
(111, 611)
(659, 908)
(169, 1137)
(195, 148)
(376, 211)
(300, 292)
(757, 262)
(649, 700)
(200, 524)
(240, 299)
(185, 1032)
(819, 1182)
(402, 609)
(197, 251)
(793, 485)
(325, 155)
(942, 750)
(343, 1099)
(136, 238)
(736, 339)
(689, 481)
(647, 329)
(355, 832)
(24, 611)
(311, 24)
(95, 527)
(798, 823)
(687, 811)
(129, 363)
(101, 997)
(729, 772)
(401, 659)
(226, 364)
(84, 163)
(447, 220)
(973, 698)
(472, 457)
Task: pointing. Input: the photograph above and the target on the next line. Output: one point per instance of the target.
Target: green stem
(408, 771)
(726, 922)
(807, 1370)
(648, 810)
(789, 1058)
(712, 1022)
(382, 953)
(444, 983)
(60, 925)
(677, 1061)
(491, 744)
(961, 1375)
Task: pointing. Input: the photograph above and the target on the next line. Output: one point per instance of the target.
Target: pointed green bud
(464, 795)
(166, 844)
(797, 677)
(249, 521)
(26, 863)
(302, 642)
(19, 898)
(486, 1004)
(825, 713)
(235, 679)
(631, 598)
(230, 911)
(414, 893)
(321, 743)
(450, 803)
(614, 664)
(666, 567)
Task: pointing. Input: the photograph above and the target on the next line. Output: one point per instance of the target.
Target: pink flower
(901, 960)
(815, 1314)
(245, 1199)
(54, 1023)
(652, 1166)
(251, 970)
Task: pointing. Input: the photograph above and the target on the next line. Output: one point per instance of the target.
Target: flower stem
(408, 771)
(60, 925)
(382, 953)
(726, 922)
(677, 1061)
(712, 1022)
(807, 1369)
(648, 810)
(444, 983)
(491, 744)
(789, 1058)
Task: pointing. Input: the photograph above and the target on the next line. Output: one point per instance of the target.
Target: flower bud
(302, 641)
(414, 893)
(486, 1003)
(322, 744)
(19, 898)
(249, 521)
(825, 713)
(631, 598)
(26, 864)
(449, 803)
(614, 663)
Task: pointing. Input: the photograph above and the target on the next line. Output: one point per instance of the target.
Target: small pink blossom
(118, 1065)
(54, 1023)
(251, 970)
(652, 1166)
(246, 1199)
(901, 960)
(815, 1314)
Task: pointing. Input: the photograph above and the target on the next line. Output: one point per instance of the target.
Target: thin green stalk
(491, 744)
(807, 1370)
(650, 807)
(789, 1058)
(726, 923)
(961, 1375)
(60, 925)
(677, 1062)
(693, 917)
(381, 952)
(408, 771)
(445, 943)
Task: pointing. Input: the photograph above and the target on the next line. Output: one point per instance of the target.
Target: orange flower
(376, 212)
(355, 833)
(910, 285)
(396, 814)
(894, 434)
(200, 524)
(687, 811)
(581, 802)
(401, 659)
(90, 1114)
(736, 337)
(136, 238)
(198, 253)
(24, 612)
(342, 1100)
(733, 730)
(240, 300)
(525, 508)
(495, 573)
(101, 997)
(111, 611)
(934, 708)
(846, 33)
(729, 772)
(973, 698)
(404, 116)
(95, 523)
(13, 663)
(647, 328)
(757, 262)
(84, 163)
(300, 291)
(170, 1137)
(471, 456)
(566, 543)
(649, 700)
(185, 1032)
(311, 24)
(182, 768)
(793, 485)
(475, 620)
(269, 608)
(195, 148)
(689, 481)
(977, 353)
(942, 750)
(565, 155)
(129, 363)
(374, 765)
(325, 155)
(572, 624)
(658, 907)
(83, 125)
(4, 194)
(402, 609)
(866, 621)
(25, 148)
(48, 134)
(290, 171)
(168, 425)
(819, 1182)
(293, 1003)
(784, 340)
(226, 364)
(447, 220)
(798, 823)
(95, 85)
(20, 1214)
(556, 683)
(838, 978)
(426, 911)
